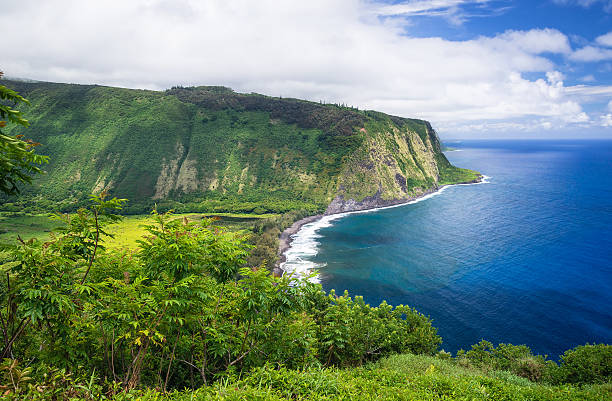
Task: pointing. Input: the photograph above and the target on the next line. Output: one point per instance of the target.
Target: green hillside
(211, 149)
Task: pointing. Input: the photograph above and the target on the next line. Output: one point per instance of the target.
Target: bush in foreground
(586, 364)
(400, 377)
(182, 311)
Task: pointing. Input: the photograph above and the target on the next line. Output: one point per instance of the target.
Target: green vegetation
(180, 308)
(26, 226)
(450, 174)
(218, 151)
(127, 232)
(262, 230)
(80, 320)
(586, 364)
(18, 161)
(182, 311)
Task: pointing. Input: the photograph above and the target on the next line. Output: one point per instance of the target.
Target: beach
(305, 242)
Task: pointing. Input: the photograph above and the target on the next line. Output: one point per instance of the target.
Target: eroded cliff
(209, 148)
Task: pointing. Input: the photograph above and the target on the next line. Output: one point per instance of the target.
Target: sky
(473, 68)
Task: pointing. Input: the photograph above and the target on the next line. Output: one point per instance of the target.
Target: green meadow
(125, 233)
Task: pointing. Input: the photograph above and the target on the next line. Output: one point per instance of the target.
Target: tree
(18, 160)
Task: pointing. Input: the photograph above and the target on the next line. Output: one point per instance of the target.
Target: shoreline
(285, 239)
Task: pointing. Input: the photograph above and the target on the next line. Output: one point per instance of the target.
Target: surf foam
(304, 244)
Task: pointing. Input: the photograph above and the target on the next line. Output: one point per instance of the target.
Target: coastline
(371, 203)
(285, 240)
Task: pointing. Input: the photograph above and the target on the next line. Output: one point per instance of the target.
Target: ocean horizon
(522, 258)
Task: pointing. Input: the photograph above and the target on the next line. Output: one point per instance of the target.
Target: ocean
(524, 258)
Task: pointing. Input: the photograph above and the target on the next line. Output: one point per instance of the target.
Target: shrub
(352, 332)
(517, 359)
(591, 363)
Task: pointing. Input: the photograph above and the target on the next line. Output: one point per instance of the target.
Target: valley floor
(126, 232)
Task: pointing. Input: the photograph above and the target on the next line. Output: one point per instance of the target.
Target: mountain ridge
(210, 148)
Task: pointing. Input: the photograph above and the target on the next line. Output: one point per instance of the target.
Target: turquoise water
(524, 259)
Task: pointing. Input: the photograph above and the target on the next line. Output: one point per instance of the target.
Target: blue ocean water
(524, 259)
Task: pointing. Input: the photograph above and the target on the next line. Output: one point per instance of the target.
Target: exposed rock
(401, 180)
(341, 205)
(187, 179)
(166, 181)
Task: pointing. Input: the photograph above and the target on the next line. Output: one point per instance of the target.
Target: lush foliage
(400, 377)
(18, 161)
(263, 230)
(517, 359)
(215, 150)
(591, 363)
(192, 307)
(182, 311)
(236, 154)
(584, 364)
(79, 320)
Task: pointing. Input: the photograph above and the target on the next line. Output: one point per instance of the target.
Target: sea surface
(525, 258)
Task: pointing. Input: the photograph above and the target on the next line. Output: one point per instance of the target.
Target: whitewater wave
(305, 244)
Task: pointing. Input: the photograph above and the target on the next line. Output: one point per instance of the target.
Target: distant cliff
(396, 163)
(209, 148)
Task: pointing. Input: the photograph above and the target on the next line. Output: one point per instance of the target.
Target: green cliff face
(397, 162)
(210, 148)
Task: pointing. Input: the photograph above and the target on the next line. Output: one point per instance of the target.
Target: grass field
(129, 230)
(26, 226)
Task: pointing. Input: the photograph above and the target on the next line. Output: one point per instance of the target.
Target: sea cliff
(205, 149)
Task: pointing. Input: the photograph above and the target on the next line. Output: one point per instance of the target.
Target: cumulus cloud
(591, 53)
(605, 40)
(340, 51)
(598, 51)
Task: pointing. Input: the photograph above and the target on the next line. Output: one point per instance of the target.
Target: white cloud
(449, 9)
(589, 91)
(588, 78)
(606, 4)
(534, 41)
(423, 7)
(605, 40)
(338, 51)
(591, 53)
(546, 125)
(605, 119)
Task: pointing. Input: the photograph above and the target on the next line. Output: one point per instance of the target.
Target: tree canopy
(18, 160)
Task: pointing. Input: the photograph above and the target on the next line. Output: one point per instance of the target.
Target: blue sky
(474, 68)
(584, 22)
(473, 18)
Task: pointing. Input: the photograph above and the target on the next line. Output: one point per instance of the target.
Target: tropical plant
(18, 161)
(590, 363)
